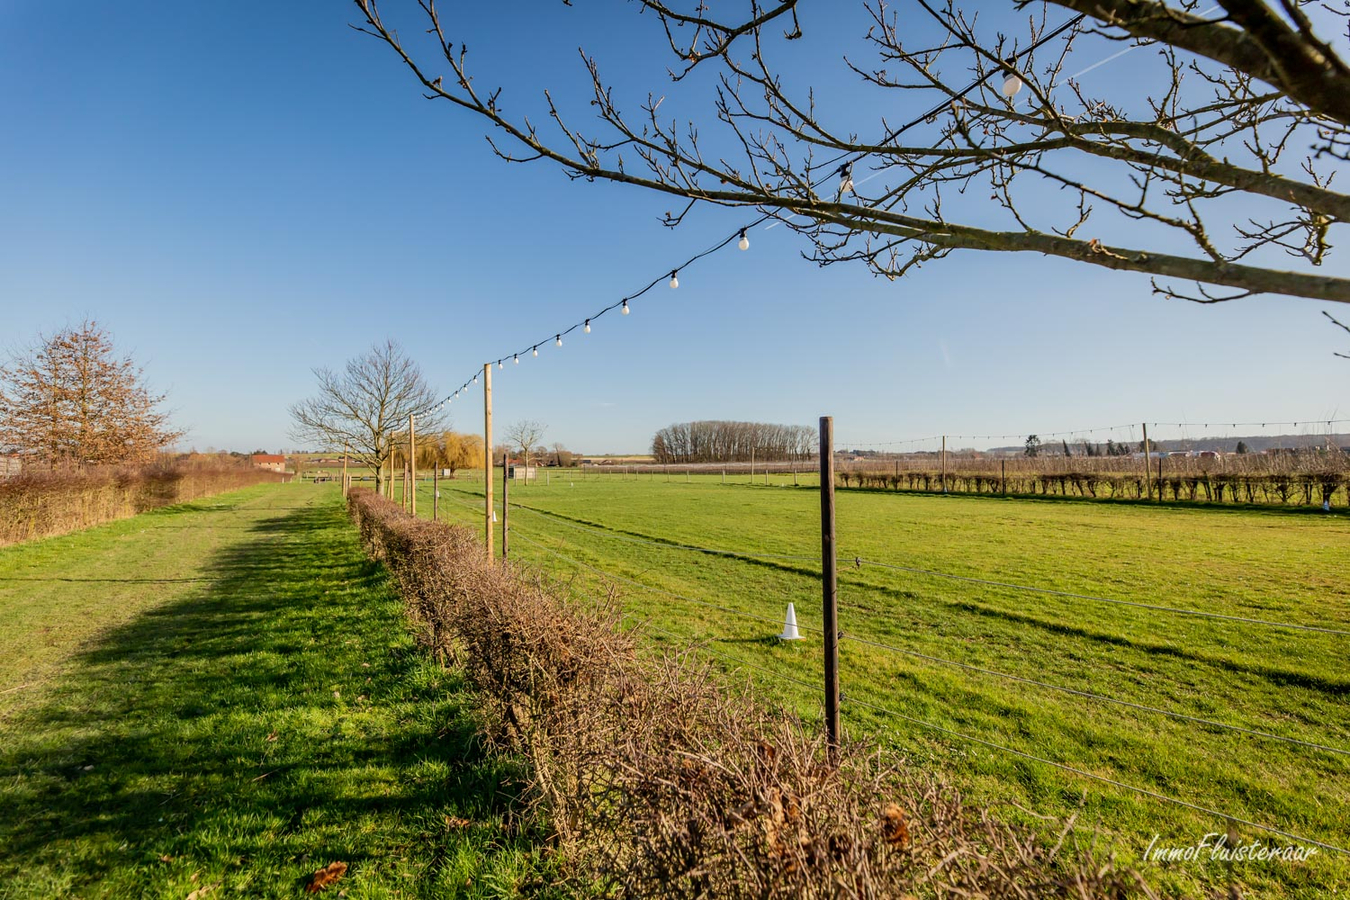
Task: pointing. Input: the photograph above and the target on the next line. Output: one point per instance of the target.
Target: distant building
(272, 462)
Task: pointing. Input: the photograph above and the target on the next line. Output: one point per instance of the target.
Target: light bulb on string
(588, 326)
(499, 365)
(1012, 83)
(517, 359)
(624, 310)
(557, 340)
(475, 379)
(536, 349)
(744, 242)
(674, 280)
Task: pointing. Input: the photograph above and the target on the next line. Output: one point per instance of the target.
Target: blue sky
(242, 192)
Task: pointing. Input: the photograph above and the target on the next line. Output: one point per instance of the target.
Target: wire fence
(554, 539)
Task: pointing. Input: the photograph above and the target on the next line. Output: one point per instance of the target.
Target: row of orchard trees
(722, 441)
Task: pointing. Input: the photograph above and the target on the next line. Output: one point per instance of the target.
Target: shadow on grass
(277, 720)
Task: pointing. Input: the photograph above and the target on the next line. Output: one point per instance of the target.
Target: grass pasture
(221, 697)
(954, 660)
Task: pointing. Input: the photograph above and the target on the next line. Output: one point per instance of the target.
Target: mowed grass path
(1259, 564)
(223, 697)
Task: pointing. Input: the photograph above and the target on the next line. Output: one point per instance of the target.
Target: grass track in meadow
(1261, 564)
(225, 694)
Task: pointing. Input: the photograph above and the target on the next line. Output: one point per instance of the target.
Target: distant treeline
(719, 441)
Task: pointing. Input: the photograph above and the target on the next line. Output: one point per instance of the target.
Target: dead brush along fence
(660, 781)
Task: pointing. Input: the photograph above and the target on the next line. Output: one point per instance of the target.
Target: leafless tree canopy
(718, 441)
(526, 434)
(1211, 174)
(70, 400)
(361, 407)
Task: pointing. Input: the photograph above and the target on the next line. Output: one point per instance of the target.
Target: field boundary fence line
(847, 636)
(701, 646)
(860, 561)
(651, 589)
(545, 522)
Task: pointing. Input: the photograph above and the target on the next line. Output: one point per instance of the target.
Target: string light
(517, 359)
(557, 340)
(475, 379)
(624, 310)
(588, 326)
(674, 279)
(499, 365)
(1012, 84)
(536, 349)
(744, 242)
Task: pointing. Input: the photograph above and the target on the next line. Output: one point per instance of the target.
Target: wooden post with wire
(412, 466)
(345, 487)
(1148, 470)
(435, 491)
(487, 458)
(506, 506)
(829, 585)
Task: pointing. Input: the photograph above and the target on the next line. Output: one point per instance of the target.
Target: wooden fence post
(435, 493)
(506, 506)
(1148, 470)
(944, 464)
(829, 585)
(487, 458)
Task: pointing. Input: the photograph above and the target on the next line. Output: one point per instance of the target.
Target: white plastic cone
(790, 626)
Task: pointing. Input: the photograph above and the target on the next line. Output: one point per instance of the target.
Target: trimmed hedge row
(47, 504)
(660, 781)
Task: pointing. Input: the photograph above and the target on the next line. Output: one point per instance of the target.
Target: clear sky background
(242, 192)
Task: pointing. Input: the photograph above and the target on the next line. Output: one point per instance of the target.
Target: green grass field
(1257, 564)
(219, 698)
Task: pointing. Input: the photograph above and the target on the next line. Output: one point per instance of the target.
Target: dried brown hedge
(659, 781)
(44, 504)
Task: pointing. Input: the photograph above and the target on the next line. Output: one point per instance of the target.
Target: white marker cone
(790, 626)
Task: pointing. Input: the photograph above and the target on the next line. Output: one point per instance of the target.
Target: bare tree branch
(1066, 173)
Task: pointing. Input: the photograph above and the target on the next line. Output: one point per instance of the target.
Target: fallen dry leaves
(894, 828)
(203, 891)
(328, 875)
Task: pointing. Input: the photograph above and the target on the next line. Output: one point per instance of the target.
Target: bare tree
(70, 400)
(525, 434)
(1002, 148)
(363, 406)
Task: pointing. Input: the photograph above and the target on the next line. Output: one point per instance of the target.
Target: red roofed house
(272, 462)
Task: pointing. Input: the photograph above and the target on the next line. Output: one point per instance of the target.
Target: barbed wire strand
(565, 521)
(1102, 778)
(654, 590)
(1297, 626)
(1094, 696)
